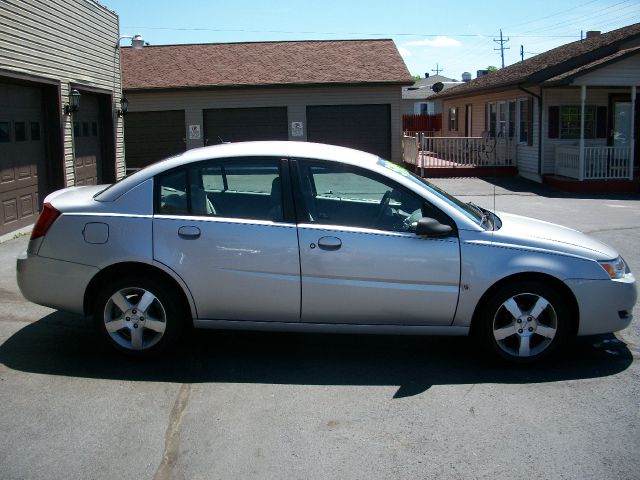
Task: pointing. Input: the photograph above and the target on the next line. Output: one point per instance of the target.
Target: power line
(437, 69)
(291, 32)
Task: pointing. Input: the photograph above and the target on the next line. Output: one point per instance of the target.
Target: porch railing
(598, 163)
(410, 149)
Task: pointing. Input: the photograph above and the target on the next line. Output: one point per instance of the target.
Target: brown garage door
(153, 136)
(364, 127)
(22, 155)
(86, 141)
(245, 124)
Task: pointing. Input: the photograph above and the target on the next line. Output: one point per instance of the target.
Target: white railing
(598, 163)
(410, 149)
(468, 152)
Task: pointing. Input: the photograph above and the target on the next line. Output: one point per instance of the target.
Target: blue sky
(456, 35)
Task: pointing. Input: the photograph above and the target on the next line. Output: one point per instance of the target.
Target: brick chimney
(593, 33)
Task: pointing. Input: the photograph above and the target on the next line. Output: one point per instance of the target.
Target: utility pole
(437, 69)
(522, 53)
(502, 48)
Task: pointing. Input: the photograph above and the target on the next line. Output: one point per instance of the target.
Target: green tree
(492, 68)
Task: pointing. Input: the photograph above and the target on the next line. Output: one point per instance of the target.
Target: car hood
(530, 232)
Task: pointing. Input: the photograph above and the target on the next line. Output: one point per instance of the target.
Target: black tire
(523, 323)
(153, 322)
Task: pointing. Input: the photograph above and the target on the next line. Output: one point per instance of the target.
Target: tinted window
(5, 132)
(173, 194)
(20, 131)
(94, 129)
(35, 130)
(85, 129)
(352, 197)
(235, 188)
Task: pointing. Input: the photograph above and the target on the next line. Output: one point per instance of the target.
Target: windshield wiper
(483, 215)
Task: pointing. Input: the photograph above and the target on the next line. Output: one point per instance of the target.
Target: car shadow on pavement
(67, 345)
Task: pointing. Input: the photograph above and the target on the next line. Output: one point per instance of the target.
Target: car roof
(282, 149)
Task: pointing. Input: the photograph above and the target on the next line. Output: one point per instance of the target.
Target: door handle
(329, 243)
(189, 232)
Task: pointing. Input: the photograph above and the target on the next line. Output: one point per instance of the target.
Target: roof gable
(263, 64)
(549, 64)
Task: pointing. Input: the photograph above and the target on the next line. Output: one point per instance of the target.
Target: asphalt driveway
(245, 405)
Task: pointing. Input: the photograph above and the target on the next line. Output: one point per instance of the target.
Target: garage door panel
(245, 124)
(153, 136)
(22, 155)
(364, 127)
(87, 145)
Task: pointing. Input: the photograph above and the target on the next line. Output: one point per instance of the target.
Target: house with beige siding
(345, 92)
(50, 54)
(570, 115)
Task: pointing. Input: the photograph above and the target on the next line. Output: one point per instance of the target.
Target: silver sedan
(307, 237)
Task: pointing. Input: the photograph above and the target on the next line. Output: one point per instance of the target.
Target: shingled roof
(547, 65)
(263, 64)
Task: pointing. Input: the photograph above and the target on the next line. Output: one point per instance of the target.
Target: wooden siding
(295, 99)
(526, 155)
(69, 41)
(626, 72)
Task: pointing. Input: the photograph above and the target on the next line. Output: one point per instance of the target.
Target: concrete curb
(16, 233)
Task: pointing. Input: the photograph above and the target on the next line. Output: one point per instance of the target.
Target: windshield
(477, 214)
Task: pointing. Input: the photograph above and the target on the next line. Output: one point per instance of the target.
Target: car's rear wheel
(139, 316)
(524, 322)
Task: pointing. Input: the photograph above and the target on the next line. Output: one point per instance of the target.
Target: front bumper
(605, 305)
(53, 283)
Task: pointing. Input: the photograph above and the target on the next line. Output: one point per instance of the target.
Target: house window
(426, 108)
(524, 127)
(502, 119)
(453, 119)
(570, 122)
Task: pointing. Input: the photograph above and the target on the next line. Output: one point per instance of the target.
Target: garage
(153, 136)
(364, 127)
(245, 124)
(22, 155)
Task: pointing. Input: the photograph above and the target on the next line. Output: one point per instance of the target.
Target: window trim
(453, 120)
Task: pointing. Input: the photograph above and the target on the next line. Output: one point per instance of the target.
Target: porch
(458, 156)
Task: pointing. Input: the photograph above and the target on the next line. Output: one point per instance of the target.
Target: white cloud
(405, 52)
(439, 41)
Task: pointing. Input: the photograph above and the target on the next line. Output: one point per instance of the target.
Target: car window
(247, 188)
(348, 196)
(173, 193)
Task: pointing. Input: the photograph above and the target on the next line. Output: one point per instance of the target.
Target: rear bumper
(605, 305)
(53, 283)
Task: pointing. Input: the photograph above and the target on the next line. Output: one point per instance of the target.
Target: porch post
(633, 131)
(583, 98)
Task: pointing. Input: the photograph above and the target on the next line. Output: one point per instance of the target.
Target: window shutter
(601, 122)
(554, 122)
(530, 121)
(486, 117)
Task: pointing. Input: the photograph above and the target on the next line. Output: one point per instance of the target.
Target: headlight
(615, 268)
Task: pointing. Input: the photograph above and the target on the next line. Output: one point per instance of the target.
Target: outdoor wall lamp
(74, 102)
(124, 107)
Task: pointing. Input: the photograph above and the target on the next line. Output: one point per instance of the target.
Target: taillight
(45, 220)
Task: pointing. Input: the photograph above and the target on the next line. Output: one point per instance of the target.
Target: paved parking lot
(244, 405)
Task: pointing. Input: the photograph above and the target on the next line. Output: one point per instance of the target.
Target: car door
(361, 261)
(225, 227)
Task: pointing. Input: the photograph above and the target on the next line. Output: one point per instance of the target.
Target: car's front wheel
(139, 316)
(524, 322)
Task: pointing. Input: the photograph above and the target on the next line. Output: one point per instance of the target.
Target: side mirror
(430, 227)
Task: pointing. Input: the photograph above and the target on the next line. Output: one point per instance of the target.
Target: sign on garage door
(364, 127)
(22, 155)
